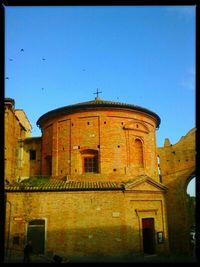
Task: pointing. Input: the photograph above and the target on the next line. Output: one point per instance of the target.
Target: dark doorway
(36, 233)
(148, 234)
(48, 165)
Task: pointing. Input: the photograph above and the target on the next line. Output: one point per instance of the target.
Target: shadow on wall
(179, 224)
(76, 243)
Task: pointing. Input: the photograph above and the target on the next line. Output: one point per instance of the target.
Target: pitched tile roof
(58, 185)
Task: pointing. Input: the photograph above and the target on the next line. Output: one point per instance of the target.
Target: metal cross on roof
(97, 93)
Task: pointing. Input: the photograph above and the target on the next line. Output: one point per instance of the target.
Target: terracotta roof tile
(94, 104)
(64, 186)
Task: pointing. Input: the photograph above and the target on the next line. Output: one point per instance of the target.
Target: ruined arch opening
(191, 188)
(190, 194)
(191, 200)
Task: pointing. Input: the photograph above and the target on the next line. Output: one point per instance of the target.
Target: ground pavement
(139, 259)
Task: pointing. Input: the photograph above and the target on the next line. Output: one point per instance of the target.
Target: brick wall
(104, 223)
(32, 167)
(177, 168)
(65, 137)
(14, 134)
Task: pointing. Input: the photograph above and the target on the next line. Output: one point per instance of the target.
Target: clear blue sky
(142, 55)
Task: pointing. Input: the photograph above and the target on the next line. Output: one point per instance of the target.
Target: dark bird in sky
(83, 69)
(10, 59)
(43, 58)
(7, 78)
(42, 88)
(22, 50)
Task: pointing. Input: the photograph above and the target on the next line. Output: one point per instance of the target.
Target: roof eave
(76, 108)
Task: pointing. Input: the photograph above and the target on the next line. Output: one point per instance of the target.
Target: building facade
(111, 140)
(17, 128)
(177, 169)
(103, 194)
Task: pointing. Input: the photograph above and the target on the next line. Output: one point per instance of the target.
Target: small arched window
(138, 152)
(90, 161)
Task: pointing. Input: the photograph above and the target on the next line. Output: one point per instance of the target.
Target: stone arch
(190, 220)
(189, 178)
(178, 167)
(181, 181)
(177, 209)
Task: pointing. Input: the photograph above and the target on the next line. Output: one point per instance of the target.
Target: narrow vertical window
(158, 161)
(48, 165)
(159, 173)
(32, 155)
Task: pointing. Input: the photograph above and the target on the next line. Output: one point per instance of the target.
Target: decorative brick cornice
(97, 103)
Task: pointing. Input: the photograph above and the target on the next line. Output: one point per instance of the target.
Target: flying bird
(83, 69)
(10, 59)
(42, 88)
(22, 50)
(44, 59)
(7, 78)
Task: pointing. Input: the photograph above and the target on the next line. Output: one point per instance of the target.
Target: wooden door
(36, 233)
(148, 234)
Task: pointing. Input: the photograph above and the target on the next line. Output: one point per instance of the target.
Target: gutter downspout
(8, 237)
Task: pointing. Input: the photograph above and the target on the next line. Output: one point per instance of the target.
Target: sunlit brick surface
(111, 132)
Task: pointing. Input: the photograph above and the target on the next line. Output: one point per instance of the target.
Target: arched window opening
(191, 208)
(90, 161)
(191, 190)
(138, 153)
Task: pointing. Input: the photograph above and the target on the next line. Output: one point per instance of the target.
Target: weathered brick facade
(91, 223)
(105, 189)
(18, 144)
(123, 138)
(177, 168)
(17, 128)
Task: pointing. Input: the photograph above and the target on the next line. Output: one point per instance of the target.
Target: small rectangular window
(90, 164)
(32, 155)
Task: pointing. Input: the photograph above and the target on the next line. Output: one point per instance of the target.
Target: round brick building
(99, 140)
